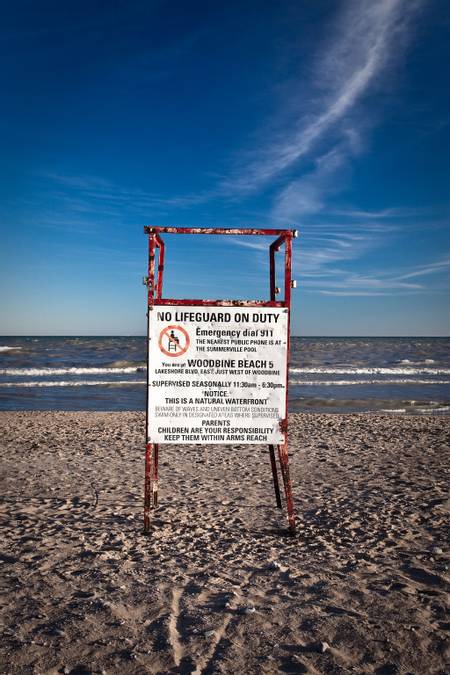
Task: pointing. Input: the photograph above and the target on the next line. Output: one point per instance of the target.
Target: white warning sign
(217, 374)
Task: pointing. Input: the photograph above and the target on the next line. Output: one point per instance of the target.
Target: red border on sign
(165, 331)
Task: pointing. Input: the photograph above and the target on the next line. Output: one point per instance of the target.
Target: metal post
(272, 273)
(151, 269)
(287, 273)
(286, 239)
(155, 476)
(148, 485)
(273, 461)
(283, 449)
(276, 484)
(149, 466)
(159, 282)
(284, 464)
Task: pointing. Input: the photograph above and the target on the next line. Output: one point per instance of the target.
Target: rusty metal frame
(154, 283)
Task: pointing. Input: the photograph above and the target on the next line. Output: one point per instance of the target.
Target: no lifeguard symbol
(173, 341)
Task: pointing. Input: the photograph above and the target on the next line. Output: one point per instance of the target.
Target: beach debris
(56, 632)
(209, 633)
(318, 647)
(274, 565)
(247, 609)
(437, 550)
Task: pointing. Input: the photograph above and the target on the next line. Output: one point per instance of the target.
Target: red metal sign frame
(154, 283)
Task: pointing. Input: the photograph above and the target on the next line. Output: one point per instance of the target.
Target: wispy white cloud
(325, 263)
(392, 213)
(356, 293)
(306, 195)
(368, 35)
(323, 251)
(86, 192)
(85, 204)
(325, 279)
(432, 268)
(248, 242)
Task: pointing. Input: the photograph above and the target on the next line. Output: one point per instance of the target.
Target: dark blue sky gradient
(330, 116)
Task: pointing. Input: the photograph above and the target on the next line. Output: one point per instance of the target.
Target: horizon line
(124, 335)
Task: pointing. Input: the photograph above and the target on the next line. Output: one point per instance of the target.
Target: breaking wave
(370, 371)
(306, 383)
(331, 383)
(117, 370)
(74, 383)
(36, 372)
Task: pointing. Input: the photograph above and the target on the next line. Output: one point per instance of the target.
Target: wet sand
(219, 586)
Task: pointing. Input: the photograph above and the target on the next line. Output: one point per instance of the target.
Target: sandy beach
(219, 587)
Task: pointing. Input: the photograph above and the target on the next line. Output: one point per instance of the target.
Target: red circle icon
(174, 341)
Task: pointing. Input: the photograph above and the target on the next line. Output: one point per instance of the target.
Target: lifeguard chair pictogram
(173, 342)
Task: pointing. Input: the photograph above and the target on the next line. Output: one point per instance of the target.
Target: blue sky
(330, 116)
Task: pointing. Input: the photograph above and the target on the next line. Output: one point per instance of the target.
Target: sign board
(217, 374)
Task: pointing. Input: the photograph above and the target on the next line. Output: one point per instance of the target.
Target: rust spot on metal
(148, 485)
(220, 303)
(283, 425)
(149, 229)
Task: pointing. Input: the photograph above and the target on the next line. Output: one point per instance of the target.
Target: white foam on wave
(75, 383)
(332, 383)
(434, 411)
(36, 372)
(6, 348)
(417, 363)
(371, 371)
(43, 372)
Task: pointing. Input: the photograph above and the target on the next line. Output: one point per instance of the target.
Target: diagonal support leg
(284, 464)
(276, 485)
(148, 485)
(155, 476)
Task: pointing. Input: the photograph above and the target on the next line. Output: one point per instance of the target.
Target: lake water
(397, 375)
